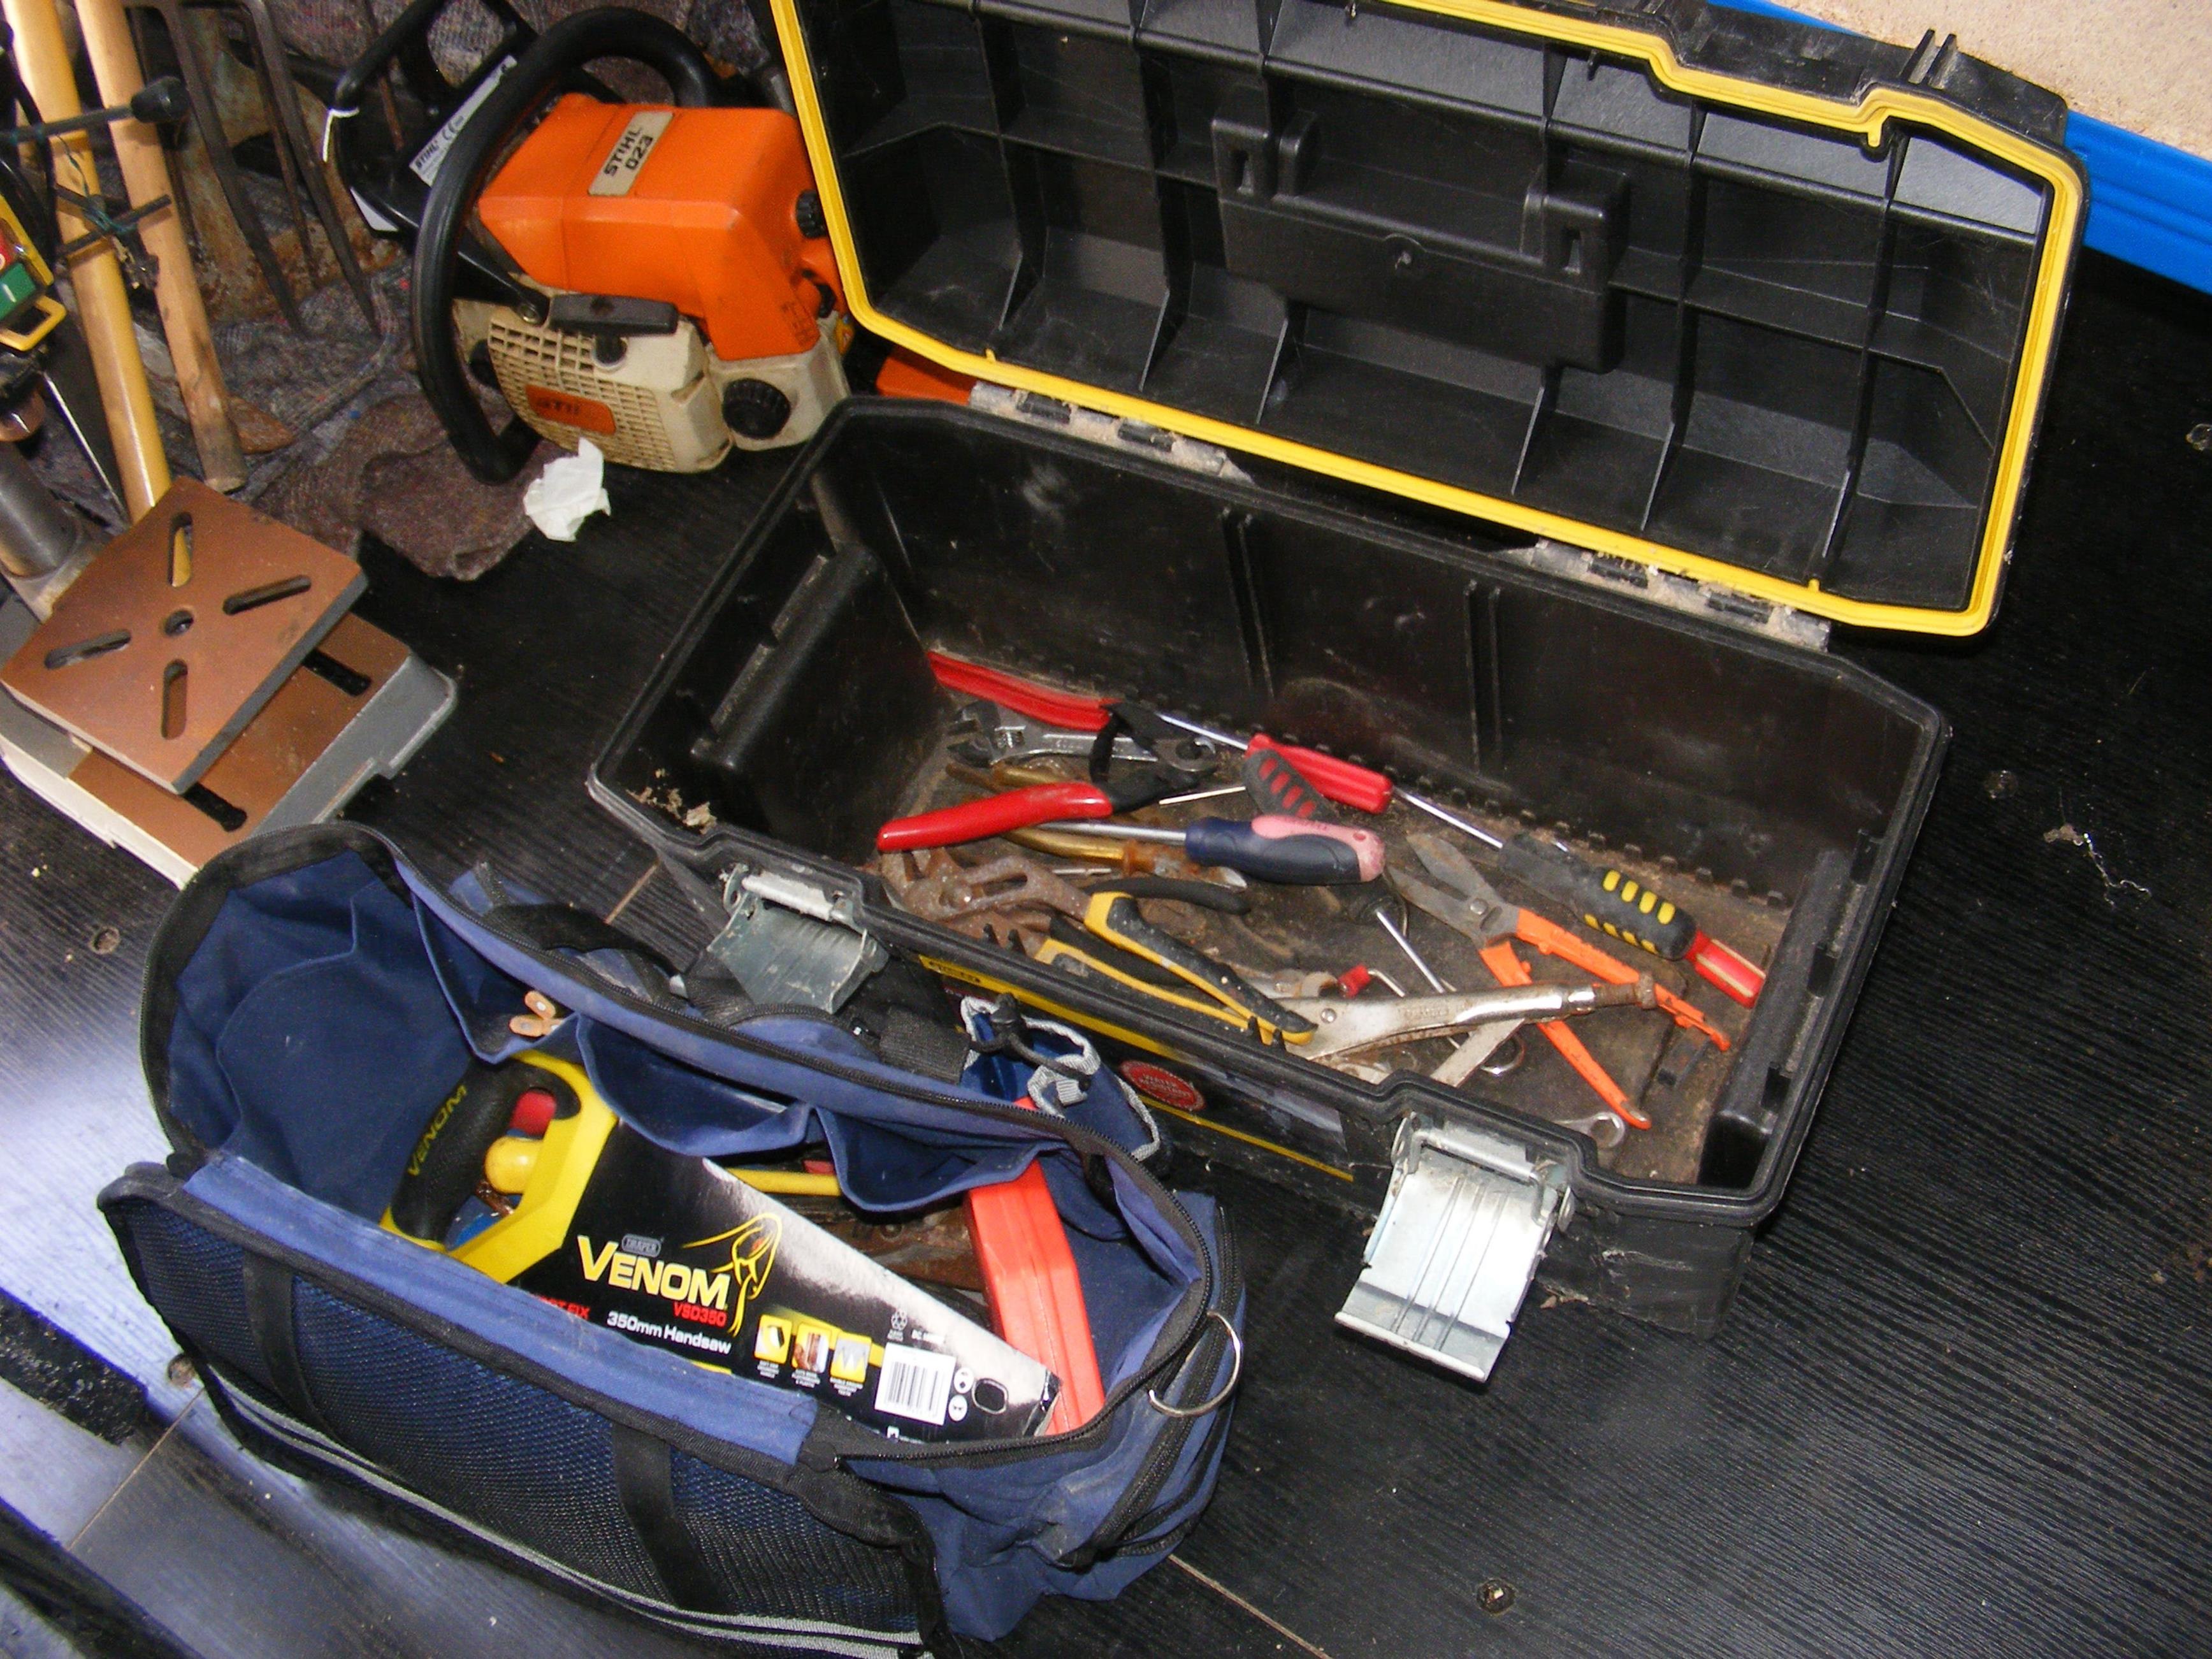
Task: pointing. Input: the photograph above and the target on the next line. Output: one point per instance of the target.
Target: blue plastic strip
(2149, 203)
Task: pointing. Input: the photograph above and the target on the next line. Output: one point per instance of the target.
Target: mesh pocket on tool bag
(505, 1453)
(197, 1282)
(772, 1557)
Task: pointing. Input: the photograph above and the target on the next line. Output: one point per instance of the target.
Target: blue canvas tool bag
(310, 998)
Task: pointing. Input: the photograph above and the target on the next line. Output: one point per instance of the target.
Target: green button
(16, 285)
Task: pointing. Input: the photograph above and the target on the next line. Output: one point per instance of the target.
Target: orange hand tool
(1556, 941)
(1509, 970)
(1473, 907)
(1035, 1293)
(1469, 905)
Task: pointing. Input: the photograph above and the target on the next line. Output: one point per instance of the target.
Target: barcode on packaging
(915, 1384)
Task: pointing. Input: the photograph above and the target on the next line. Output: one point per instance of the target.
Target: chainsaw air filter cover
(696, 207)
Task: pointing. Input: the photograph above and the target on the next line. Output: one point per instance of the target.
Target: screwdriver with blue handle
(1292, 852)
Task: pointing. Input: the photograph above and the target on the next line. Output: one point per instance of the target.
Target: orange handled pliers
(1467, 904)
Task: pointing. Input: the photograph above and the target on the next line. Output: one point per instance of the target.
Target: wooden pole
(183, 315)
(103, 310)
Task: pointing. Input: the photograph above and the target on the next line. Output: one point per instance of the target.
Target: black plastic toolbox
(1508, 397)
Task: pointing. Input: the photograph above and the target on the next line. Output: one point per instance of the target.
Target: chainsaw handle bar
(605, 31)
(410, 29)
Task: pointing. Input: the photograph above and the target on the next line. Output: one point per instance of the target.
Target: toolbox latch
(1136, 437)
(790, 942)
(1466, 1222)
(1714, 602)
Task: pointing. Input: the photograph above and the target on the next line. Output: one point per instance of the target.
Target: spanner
(1000, 734)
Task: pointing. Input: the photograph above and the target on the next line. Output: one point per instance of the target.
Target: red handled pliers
(1179, 761)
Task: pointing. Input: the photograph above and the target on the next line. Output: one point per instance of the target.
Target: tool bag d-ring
(308, 998)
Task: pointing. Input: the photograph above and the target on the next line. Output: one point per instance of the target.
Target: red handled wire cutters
(1179, 761)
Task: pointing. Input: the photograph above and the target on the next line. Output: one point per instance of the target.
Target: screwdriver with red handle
(1607, 900)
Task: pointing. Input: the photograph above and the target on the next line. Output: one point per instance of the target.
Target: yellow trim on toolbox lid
(1867, 118)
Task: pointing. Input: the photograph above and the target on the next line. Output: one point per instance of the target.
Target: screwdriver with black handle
(1606, 899)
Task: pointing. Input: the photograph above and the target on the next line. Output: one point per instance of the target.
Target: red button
(534, 1112)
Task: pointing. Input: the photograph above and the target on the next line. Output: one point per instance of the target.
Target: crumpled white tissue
(568, 492)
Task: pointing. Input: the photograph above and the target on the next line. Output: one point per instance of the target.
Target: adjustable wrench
(998, 734)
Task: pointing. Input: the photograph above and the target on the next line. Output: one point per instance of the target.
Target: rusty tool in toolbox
(1009, 901)
(1017, 896)
(1605, 900)
(943, 889)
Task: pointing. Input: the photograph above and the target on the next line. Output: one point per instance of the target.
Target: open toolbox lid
(1763, 305)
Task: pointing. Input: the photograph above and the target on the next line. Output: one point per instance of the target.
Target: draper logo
(752, 1254)
(673, 1279)
(642, 1244)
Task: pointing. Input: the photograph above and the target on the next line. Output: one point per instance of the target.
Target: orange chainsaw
(655, 278)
